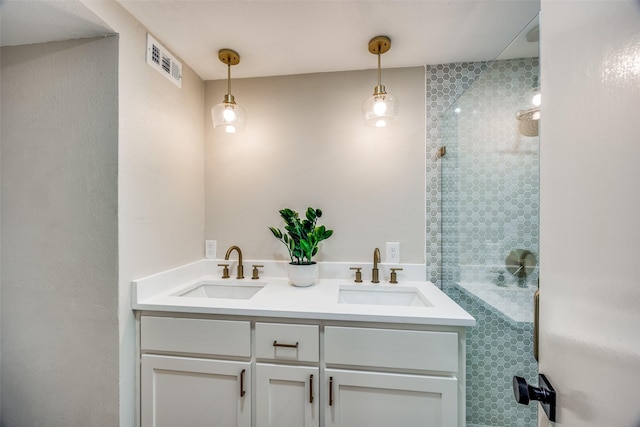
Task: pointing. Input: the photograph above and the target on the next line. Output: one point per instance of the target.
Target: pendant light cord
(228, 79)
(379, 72)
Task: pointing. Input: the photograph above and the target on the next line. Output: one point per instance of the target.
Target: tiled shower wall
(483, 202)
(445, 84)
(497, 196)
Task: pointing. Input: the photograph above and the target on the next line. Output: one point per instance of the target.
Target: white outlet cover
(210, 249)
(393, 252)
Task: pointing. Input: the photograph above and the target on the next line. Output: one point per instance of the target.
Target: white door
(286, 396)
(372, 399)
(590, 211)
(189, 392)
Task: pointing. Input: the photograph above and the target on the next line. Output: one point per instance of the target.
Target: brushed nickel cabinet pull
(310, 388)
(242, 392)
(330, 391)
(277, 344)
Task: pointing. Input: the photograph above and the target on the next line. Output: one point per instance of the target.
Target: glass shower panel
(489, 231)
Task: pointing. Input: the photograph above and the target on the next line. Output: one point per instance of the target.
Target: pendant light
(228, 116)
(380, 109)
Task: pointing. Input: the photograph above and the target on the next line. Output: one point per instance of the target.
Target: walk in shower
(484, 117)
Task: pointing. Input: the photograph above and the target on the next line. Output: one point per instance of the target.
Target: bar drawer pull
(330, 391)
(277, 344)
(242, 392)
(310, 388)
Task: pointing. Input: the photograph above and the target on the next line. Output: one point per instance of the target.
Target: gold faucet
(240, 274)
(376, 260)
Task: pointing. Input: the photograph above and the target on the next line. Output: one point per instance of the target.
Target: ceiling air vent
(163, 61)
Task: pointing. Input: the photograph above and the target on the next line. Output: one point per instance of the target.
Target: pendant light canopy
(228, 116)
(380, 109)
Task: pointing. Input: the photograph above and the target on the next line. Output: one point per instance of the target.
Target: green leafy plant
(302, 236)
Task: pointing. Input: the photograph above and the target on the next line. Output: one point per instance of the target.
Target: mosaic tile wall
(483, 202)
(497, 349)
(445, 84)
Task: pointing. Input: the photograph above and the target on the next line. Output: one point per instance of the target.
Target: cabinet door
(189, 392)
(286, 396)
(372, 399)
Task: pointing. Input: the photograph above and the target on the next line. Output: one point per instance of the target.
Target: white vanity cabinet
(287, 396)
(180, 391)
(287, 375)
(262, 373)
(420, 389)
(182, 385)
(375, 399)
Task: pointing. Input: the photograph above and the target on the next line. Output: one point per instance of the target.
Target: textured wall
(306, 145)
(59, 225)
(161, 176)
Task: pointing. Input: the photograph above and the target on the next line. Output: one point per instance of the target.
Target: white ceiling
(39, 21)
(279, 37)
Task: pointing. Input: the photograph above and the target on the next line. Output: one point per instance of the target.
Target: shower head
(530, 114)
(528, 119)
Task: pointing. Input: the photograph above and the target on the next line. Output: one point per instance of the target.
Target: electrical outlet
(393, 252)
(210, 249)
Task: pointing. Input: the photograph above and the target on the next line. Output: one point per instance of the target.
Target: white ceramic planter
(303, 275)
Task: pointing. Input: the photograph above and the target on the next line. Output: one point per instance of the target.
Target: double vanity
(260, 352)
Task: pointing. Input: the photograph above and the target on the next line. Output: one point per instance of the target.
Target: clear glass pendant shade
(228, 117)
(380, 110)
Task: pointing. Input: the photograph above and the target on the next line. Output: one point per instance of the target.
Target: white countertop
(161, 292)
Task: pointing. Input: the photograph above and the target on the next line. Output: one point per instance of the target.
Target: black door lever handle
(545, 394)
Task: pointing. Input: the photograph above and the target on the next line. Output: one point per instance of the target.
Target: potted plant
(301, 240)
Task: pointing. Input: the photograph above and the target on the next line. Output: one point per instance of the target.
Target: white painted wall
(59, 242)
(590, 228)
(305, 144)
(161, 178)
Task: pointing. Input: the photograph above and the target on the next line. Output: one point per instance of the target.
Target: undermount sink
(224, 290)
(382, 295)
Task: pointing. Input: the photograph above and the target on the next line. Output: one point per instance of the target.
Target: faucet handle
(394, 275)
(358, 274)
(225, 271)
(255, 275)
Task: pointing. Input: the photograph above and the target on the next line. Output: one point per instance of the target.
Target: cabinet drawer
(387, 348)
(287, 342)
(201, 336)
